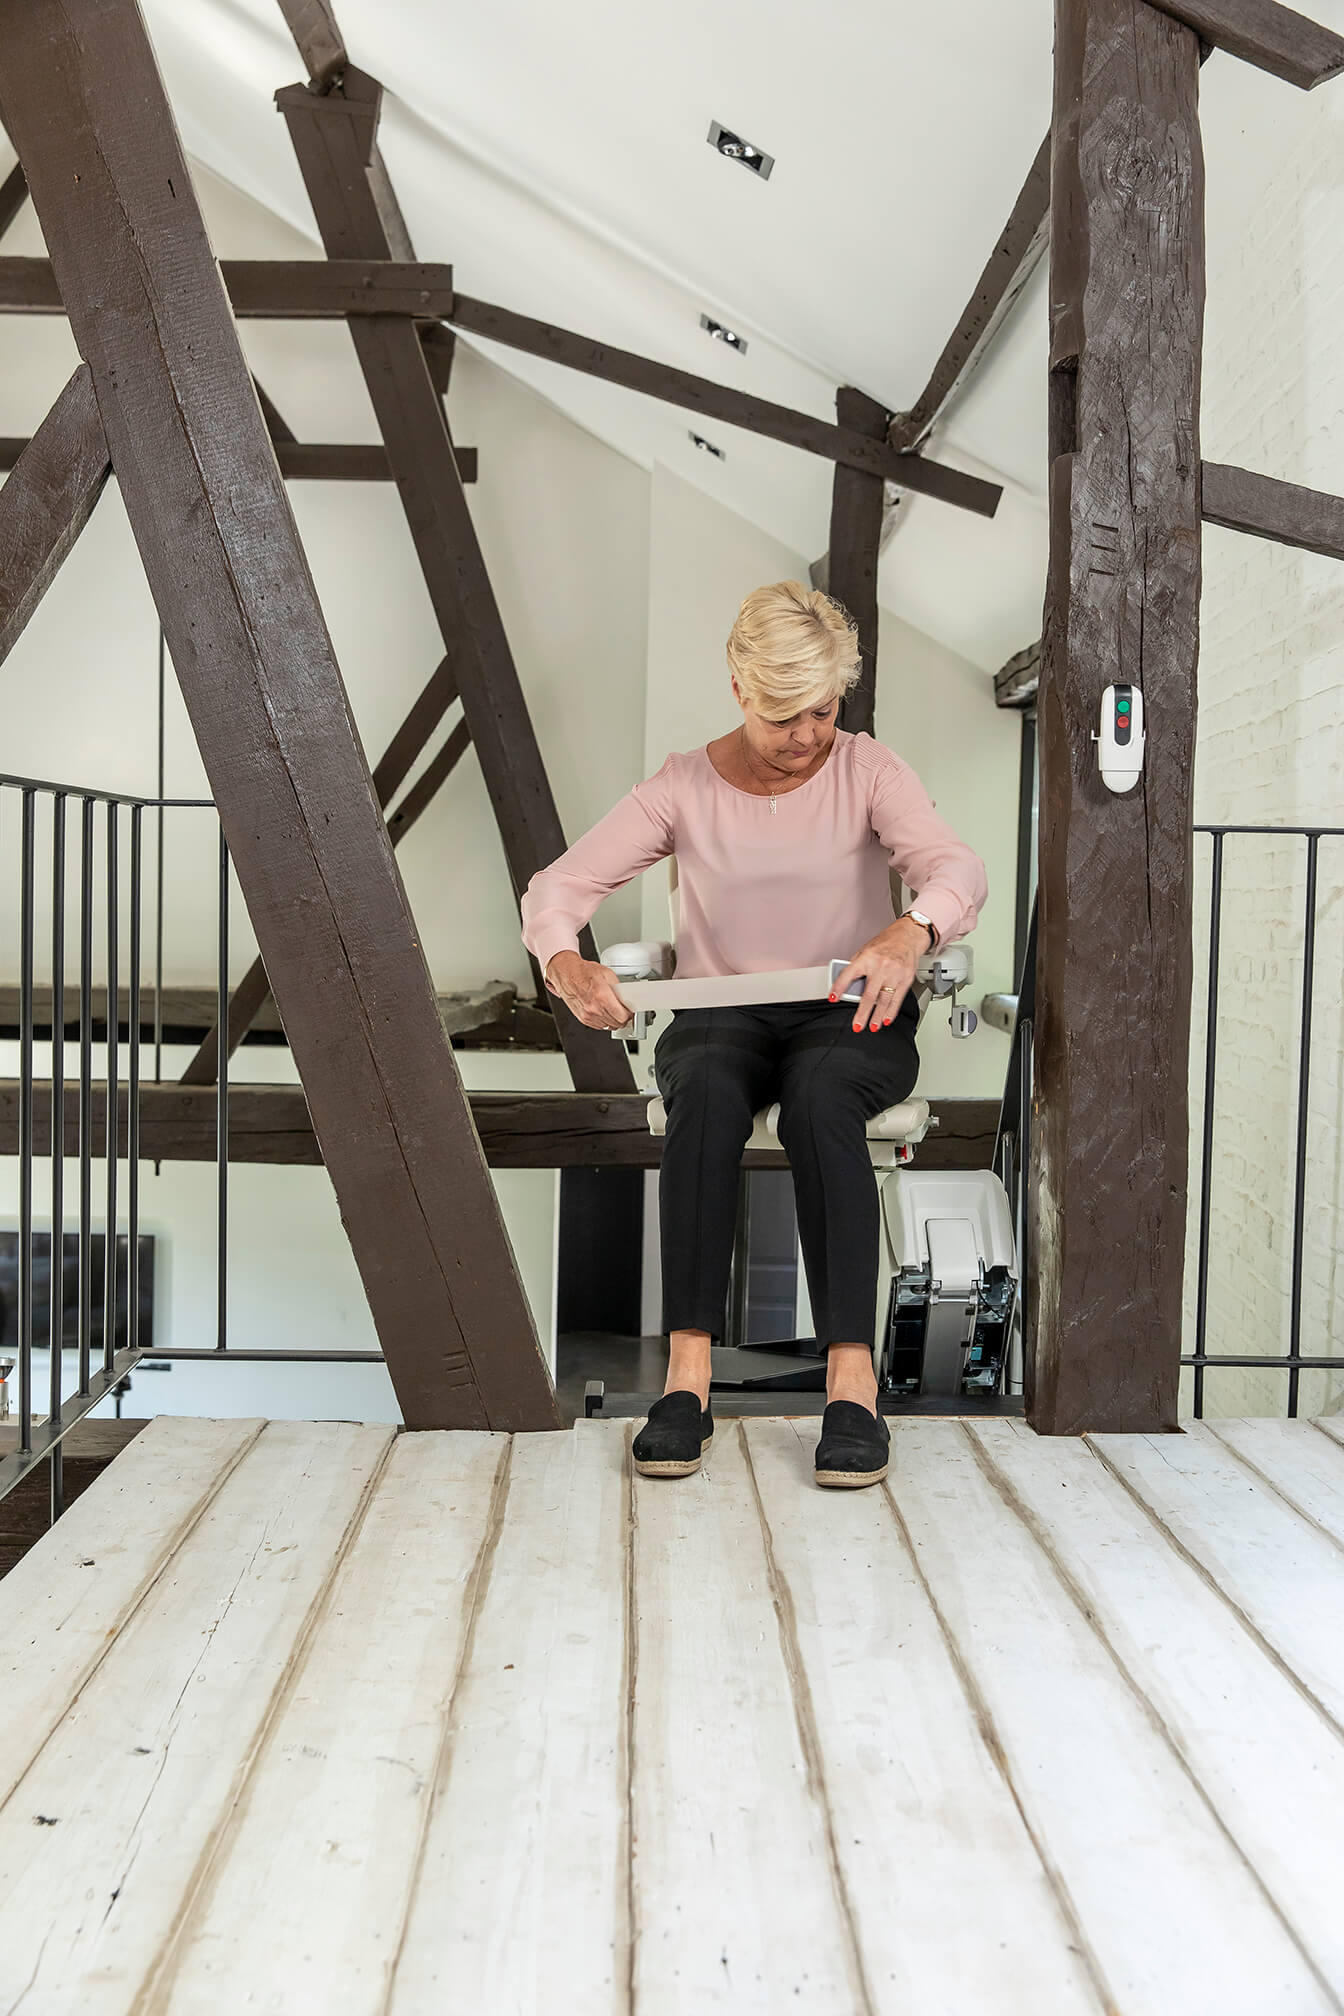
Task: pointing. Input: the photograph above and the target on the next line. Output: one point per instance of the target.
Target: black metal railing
(1012, 1146)
(1012, 1153)
(106, 863)
(115, 817)
(1293, 1361)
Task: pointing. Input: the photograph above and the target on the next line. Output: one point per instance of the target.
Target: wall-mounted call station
(1120, 740)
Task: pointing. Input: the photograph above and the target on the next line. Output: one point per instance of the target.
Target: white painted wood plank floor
(304, 1717)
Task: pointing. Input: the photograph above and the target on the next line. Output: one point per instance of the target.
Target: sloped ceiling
(558, 158)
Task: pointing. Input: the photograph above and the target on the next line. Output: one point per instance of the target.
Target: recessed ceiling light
(728, 336)
(737, 149)
(708, 446)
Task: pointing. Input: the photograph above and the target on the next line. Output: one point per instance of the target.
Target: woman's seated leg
(832, 1082)
(715, 1068)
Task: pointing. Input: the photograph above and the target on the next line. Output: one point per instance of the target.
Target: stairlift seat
(895, 1129)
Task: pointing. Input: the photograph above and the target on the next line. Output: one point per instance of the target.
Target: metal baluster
(1206, 1166)
(222, 1103)
(113, 1101)
(1303, 1088)
(85, 1093)
(158, 899)
(56, 1268)
(26, 1126)
(133, 1099)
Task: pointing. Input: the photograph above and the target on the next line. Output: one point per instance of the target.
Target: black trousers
(715, 1069)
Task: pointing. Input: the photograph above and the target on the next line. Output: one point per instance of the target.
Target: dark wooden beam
(189, 1011)
(253, 991)
(1271, 37)
(857, 501)
(47, 501)
(724, 402)
(277, 290)
(311, 461)
(335, 138)
(82, 98)
(1268, 509)
(1017, 683)
(439, 344)
(426, 711)
(318, 40)
(518, 1130)
(379, 288)
(327, 290)
(1109, 1167)
(1007, 271)
(13, 196)
(428, 784)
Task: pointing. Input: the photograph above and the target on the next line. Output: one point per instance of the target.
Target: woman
(784, 832)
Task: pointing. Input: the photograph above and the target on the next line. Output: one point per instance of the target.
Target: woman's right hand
(588, 990)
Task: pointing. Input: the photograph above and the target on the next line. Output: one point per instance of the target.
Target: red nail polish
(832, 997)
(857, 1027)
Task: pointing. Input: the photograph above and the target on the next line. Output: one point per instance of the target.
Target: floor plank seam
(987, 1730)
(1329, 1425)
(143, 1591)
(1211, 1581)
(1078, 1596)
(1261, 1477)
(629, 1677)
(155, 1991)
(480, 1583)
(805, 1720)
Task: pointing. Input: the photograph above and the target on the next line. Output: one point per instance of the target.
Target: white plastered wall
(1271, 734)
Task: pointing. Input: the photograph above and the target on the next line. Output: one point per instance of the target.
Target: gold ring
(886, 990)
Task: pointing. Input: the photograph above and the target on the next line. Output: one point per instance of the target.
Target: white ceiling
(557, 157)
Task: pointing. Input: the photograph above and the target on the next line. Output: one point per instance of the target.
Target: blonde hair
(792, 648)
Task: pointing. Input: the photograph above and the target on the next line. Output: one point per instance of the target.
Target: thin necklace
(743, 733)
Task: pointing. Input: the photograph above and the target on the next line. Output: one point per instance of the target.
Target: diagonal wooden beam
(318, 40)
(1007, 270)
(81, 96)
(857, 503)
(48, 500)
(1261, 32)
(253, 991)
(1269, 509)
(13, 196)
(335, 138)
(277, 426)
(378, 289)
(724, 402)
(351, 462)
(427, 786)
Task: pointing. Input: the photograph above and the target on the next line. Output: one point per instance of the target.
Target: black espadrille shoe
(855, 1446)
(674, 1438)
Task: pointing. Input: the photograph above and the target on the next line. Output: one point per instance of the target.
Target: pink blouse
(761, 890)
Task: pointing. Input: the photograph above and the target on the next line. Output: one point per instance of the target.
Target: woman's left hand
(887, 964)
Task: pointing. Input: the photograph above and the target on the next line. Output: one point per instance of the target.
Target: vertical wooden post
(856, 535)
(335, 137)
(81, 97)
(1122, 604)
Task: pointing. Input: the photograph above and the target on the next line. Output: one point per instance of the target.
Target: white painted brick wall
(1271, 735)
